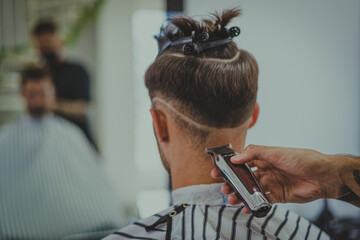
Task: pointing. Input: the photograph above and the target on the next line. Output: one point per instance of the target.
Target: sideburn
(162, 155)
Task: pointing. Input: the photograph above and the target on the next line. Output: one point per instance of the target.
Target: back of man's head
(215, 88)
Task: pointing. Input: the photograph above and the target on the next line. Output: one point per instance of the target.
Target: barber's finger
(260, 165)
(270, 185)
(259, 175)
(226, 189)
(251, 164)
(266, 181)
(251, 152)
(267, 175)
(272, 198)
(234, 200)
(273, 191)
(215, 173)
(246, 210)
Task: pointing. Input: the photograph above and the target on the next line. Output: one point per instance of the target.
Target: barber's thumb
(237, 159)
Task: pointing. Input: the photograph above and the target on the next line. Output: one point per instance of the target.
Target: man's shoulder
(8, 129)
(65, 125)
(224, 221)
(143, 229)
(9, 125)
(282, 223)
(73, 66)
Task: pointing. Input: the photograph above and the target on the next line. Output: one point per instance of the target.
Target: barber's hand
(288, 174)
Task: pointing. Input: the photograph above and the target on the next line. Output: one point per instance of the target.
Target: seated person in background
(71, 80)
(199, 100)
(51, 186)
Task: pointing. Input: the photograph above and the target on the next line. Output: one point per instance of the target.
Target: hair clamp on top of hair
(195, 43)
(191, 48)
(200, 43)
(233, 31)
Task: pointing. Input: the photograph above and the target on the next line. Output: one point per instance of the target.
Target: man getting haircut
(51, 186)
(203, 90)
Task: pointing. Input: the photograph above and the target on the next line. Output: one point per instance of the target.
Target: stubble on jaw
(37, 112)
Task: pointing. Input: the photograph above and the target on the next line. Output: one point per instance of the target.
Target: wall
(309, 58)
(115, 94)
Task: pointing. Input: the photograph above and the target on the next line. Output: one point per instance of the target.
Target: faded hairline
(197, 133)
(157, 101)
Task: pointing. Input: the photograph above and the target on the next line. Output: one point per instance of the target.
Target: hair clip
(202, 37)
(192, 47)
(196, 46)
(195, 43)
(234, 31)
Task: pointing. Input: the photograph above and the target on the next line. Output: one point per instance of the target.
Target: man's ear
(160, 124)
(254, 115)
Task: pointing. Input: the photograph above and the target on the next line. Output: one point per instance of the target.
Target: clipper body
(241, 179)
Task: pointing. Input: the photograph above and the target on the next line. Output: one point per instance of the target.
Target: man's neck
(192, 169)
(189, 164)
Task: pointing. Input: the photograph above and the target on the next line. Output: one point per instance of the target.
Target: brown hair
(33, 73)
(43, 26)
(216, 87)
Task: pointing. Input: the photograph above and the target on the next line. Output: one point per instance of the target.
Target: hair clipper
(241, 179)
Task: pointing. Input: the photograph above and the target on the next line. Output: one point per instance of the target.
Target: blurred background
(309, 86)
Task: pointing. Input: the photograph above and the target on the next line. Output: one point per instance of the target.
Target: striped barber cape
(200, 212)
(51, 186)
